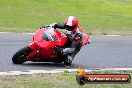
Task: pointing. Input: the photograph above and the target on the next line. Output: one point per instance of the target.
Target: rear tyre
(20, 56)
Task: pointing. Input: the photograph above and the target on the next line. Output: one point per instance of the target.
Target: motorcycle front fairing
(44, 40)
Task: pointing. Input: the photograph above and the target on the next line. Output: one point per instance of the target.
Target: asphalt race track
(103, 52)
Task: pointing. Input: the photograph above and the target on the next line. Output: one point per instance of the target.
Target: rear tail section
(86, 39)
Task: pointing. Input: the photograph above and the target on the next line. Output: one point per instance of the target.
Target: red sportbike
(43, 47)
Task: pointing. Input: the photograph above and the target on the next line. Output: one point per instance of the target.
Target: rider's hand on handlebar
(53, 25)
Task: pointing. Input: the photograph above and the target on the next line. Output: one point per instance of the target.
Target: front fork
(34, 55)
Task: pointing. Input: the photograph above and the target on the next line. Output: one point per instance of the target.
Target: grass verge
(58, 80)
(95, 16)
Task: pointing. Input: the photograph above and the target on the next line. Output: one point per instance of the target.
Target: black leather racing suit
(74, 45)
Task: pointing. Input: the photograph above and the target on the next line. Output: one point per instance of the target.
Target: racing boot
(68, 61)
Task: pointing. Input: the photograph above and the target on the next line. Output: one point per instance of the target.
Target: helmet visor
(70, 28)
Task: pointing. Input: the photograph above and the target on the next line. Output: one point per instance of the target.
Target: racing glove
(53, 25)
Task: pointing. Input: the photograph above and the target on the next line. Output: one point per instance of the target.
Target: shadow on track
(47, 64)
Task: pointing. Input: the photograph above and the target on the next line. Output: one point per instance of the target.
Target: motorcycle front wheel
(20, 56)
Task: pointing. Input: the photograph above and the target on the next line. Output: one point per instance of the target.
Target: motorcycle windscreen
(49, 35)
(49, 38)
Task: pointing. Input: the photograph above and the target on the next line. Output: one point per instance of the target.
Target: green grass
(95, 16)
(58, 80)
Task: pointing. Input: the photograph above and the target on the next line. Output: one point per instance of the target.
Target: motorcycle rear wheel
(20, 56)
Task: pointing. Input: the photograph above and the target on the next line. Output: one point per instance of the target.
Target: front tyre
(20, 56)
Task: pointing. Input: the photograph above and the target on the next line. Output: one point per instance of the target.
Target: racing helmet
(71, 23)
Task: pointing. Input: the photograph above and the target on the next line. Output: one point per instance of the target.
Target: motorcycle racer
(74, 33)
(51, 45)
